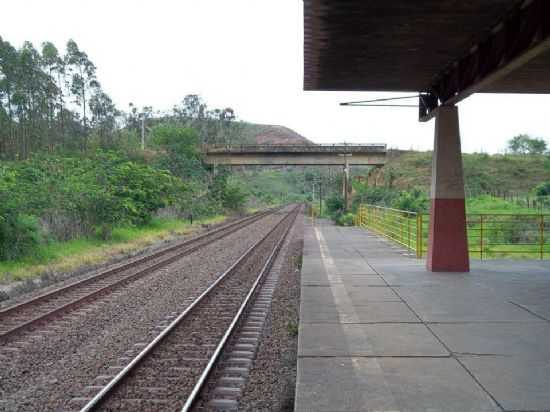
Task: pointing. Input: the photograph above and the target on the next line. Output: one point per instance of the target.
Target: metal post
(349, 186)
(142, 131)
(409, 233)
(419, 235)
(320, 197)
(312, 198)
(481, 237)
(345, 189)
(542, 237)
(401, 228)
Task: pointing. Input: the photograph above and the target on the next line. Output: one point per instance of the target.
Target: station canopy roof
(450, 48)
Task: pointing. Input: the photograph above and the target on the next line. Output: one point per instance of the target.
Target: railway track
(29, 314)
(169, 372)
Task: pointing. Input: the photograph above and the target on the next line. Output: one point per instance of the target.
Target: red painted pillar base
(447, 243)
(447, 237)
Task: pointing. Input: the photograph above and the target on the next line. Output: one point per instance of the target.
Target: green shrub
(334, 204)
(543, 189)
(97, 191)
(345, 219)
(234, 196)
(19, 235)
(414, 200)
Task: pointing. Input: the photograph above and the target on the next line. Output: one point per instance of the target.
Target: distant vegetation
(72, 165)
(516, 178)
(525, 144)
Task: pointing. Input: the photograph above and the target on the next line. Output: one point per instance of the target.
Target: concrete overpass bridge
(296, 155)
(344, 155)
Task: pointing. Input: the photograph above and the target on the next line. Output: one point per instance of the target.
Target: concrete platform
(380, 333)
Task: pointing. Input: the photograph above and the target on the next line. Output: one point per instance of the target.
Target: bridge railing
(490, 235)
(314, 148)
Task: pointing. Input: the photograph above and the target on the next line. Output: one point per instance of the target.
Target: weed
(292, 328)
(298, 260)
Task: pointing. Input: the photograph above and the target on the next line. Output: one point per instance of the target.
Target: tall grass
(66, 256)
(489, 204)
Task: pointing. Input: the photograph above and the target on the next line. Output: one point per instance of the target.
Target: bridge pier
(447, 242)
(346, 188)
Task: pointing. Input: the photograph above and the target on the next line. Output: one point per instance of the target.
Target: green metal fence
(490, 235)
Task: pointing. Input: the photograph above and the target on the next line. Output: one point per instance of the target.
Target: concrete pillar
(346, 188)
(349, 188)
(447, 243)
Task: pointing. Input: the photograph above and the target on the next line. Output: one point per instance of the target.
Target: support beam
(513, 42)
(346, 187)
(298, 155)
(349, 188)
(448, 243)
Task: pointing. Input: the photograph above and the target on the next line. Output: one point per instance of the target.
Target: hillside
(482, 172)
(252, 133)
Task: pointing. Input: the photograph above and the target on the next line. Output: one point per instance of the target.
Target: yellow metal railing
(400, 226)
(490, 235)
(509, 235)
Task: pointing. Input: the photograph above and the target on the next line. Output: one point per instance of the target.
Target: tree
(83, 76)
(543, 189)
(182, 152)
(525, 144)
(55, 66)
(214, 126)
(104, 114)
(8, 64)
(536, 146)
(33, 86)
(30, 98)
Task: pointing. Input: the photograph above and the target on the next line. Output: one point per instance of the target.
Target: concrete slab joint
(447, 239)
(379, 332)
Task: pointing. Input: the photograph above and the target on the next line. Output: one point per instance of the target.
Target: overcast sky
(246, 54)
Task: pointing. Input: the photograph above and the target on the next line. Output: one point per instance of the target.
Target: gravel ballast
(48, 367)
(272, 379)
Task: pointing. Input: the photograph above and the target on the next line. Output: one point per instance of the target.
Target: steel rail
(213, 359)
(232, 227)
(117, 269)
(104, 392)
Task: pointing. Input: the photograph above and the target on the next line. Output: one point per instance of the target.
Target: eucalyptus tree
(8, 64)
(30, 98)
(82, 78)
(40, 92)
(104, 114)
(54, 65)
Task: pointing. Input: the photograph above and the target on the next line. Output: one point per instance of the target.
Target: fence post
(481, 237)
(409, 233)
(419, 235)
(542, 237)
(401, 228)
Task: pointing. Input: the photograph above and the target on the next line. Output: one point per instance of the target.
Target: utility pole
(142, 131)
(320, 196)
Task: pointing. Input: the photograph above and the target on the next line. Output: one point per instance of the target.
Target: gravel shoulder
(272, 379)
(22, 290)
